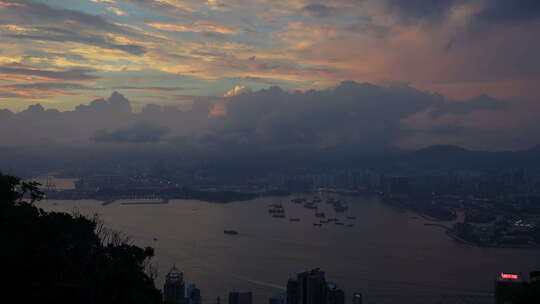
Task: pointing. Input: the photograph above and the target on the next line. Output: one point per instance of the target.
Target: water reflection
(389, 254)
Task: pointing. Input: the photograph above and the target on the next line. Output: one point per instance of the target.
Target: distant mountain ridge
(448, 156)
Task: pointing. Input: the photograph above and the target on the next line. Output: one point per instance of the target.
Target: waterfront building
(237, 297)
(535, 276)
(357, 298)
(506, 285)
(174, 287)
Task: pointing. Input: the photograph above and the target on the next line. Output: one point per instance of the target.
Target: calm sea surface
(389, 255)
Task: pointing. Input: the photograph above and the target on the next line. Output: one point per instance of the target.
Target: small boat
(340, 208)
(232, 232)
(155, 239)
(298, 200)
(317, 224)
(310, 206)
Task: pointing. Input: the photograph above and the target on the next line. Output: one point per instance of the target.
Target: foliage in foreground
(58, 257)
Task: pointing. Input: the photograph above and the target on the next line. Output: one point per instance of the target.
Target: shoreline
(449, 231)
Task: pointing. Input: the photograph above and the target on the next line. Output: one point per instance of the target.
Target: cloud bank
(362, 115)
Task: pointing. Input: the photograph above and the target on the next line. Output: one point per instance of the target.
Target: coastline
(450, 231)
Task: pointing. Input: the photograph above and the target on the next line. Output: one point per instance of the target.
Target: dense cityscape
(311, 287)
(487, 207)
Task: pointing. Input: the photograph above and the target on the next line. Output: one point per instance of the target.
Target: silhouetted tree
(52, 257)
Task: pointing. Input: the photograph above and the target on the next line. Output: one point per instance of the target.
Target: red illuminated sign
(511, 276)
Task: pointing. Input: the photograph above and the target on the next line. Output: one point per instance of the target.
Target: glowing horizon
(64, 53)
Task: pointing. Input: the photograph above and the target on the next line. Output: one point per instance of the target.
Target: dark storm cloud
(492, 11)
(52, 86)
(9, 95)
(478, 104)
(153, 89)
(319, 10)
(351, 113)
(268, 81)
(166, 9)
(414, 11)
(48, 23)
(94, 40)
(32, 12)
(504, 11)
(116, 104)
(72, 74)
(138, 133)
(362, 115)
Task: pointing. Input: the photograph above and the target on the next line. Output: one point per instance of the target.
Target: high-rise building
(237, 297)
(505, 286)
(311, 287)
(193, 294)
(357, 298)
(174, 287)
(292, 291)
(334, 295)
(278, 298)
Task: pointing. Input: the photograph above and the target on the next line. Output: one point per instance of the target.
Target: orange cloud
(219, 109)
(116, 11)
(195, 28)
(11, 4)
(237, 90)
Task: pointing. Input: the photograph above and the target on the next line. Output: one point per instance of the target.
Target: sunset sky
(63, 53)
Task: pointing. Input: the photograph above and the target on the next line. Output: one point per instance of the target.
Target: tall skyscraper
(311, 287)
(237, 297)
(292, 291)
(174, 287)
(357, 298)
(334, 295)
(193, 294)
